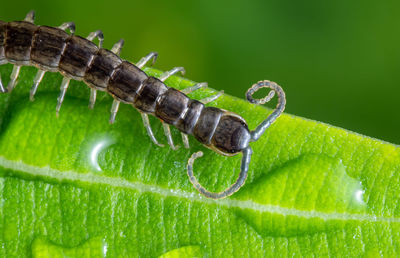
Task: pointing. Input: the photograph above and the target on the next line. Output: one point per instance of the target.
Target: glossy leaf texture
(77, 186)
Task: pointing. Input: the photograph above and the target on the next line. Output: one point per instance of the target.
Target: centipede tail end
(244, 167)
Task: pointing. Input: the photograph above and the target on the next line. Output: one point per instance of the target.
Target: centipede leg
(36, 81)
(63, 88)
(144, 60)
(30, 17)
(173, 71)
(92, 99)
(116, 49)
(150, 133)
(185, 140)
(167, 133)
(99, 35)
(68, 26)
(13, 77)
(212, 98)
(2, 90)
(96, 34)
(195, 87)
(114, 110)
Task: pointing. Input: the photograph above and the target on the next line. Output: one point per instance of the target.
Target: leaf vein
(47, 172)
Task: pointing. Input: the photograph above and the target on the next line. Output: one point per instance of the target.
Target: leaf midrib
(90, 178)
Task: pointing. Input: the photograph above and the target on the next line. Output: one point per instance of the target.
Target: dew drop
(358, 196)
(105, 249)
(95, 147)
(309, 194)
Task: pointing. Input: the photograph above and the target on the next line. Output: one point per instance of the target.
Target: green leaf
(187, 252)
(76, 185)
(92, 248)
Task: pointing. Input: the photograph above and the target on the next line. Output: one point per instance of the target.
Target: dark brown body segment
(103, 65)
(151, 90)
(52, 49)
(187, 123)
(206, 125)
(126, 82)
(231, 135)
(77, 57)
(171, 106)
(18, 42)
(3, 28)
(47, 47)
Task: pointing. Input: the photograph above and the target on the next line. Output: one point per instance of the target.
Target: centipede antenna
(255, 135)
(36, 81)
(114, 110)
(116, 49)
(244, 167)
(96, 34)
(144, 60)
(195, 87)
(68, 26)
(173, 71)
(212, 98)
(30, 17)
(185, 140)
(13, 77)
(63, 90)
(167, 133)
(2, 90)
(150, 133)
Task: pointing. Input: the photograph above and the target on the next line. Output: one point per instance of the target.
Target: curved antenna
(244, 167)
(275, 88)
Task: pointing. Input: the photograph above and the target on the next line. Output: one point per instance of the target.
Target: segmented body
(53, 49)
(23, 43)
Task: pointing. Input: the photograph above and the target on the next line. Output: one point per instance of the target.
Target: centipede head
(232, 135)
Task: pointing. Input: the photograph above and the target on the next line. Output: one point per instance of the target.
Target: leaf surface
(76, 185)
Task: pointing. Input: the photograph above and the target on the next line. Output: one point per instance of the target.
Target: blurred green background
(338, 61)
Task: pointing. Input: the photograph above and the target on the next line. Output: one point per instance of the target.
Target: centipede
(58, 49)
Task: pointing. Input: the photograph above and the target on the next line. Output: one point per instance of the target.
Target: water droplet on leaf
(312, 193)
